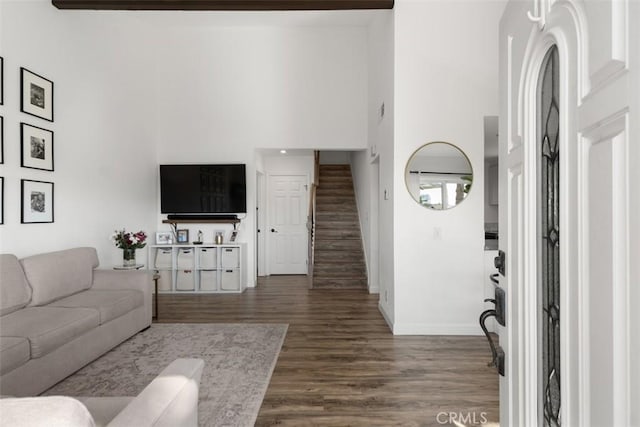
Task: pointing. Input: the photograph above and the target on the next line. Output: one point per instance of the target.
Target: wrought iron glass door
(549, 238)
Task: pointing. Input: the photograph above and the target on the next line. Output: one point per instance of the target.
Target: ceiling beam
(223, 4)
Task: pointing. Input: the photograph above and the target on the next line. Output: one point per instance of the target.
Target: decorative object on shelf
(182, 236)
(37, 201)
(36, 95)
(37, 147)
(1, 80)
(129, 242)
(219, 238)
(1, 140)
(199, 241)
(233, 236)
(164, 237)
(1, 200)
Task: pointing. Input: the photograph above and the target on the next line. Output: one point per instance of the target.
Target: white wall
(226, 91)
(379, 178)
(104, 128)
(137, 89)
(446, 57)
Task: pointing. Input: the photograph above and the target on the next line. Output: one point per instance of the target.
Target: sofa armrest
(170, 400)
(44, 411)
(140, 280)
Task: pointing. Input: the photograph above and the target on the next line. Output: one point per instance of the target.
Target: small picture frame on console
(182, 236)
(164, 238)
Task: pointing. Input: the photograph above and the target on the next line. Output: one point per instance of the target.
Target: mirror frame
(406, 169)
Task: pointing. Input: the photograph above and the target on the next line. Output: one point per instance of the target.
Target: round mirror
(439, 175)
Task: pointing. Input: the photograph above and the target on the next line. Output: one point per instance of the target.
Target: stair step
(336, 207)
(332, 225)
(337, 233)
(338, 244)
(334, 197)
(339, 193)
(336, 216)
(355, 273)
(337, 257)
(335, 283)
(335, 172)
(328, 167)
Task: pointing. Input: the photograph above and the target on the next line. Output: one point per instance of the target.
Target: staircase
(339, 258)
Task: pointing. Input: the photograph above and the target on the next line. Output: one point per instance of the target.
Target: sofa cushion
(55, 275)
(110, 304)
(45, 412)
(15, 292)
(48, 328)
(14, 352)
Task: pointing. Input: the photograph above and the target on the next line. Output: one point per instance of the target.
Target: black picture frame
(1, 80)
(1, 140)
(36, 147)
(182, 236)
(37, 200)
(1, 200)
(36, 95)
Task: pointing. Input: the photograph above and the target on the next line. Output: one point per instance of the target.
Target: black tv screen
(203, 189)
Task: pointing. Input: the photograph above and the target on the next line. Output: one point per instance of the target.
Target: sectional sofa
(58, 313)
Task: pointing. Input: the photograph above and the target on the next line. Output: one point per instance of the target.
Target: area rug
(239, 360)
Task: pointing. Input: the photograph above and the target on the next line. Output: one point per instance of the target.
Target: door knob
(273, 230)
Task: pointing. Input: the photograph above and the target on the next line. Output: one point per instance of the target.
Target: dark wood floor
(341, 366)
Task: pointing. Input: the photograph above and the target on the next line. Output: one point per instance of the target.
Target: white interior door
(287, 231)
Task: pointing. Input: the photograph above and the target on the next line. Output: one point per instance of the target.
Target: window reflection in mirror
(439, 175)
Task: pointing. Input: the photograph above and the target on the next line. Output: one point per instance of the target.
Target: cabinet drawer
(208, 280)
(185, 280)
(230, 258)
(185, 258)
(164, 282)
(163, 259)
(230, 280)
(207, 258)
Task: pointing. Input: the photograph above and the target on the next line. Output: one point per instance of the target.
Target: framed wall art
(36, 147)
(37, 201)
(36, 95)
(1, 200)
(1, 80)
(1, 140)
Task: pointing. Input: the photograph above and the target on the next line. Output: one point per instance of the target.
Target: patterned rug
(239, 360)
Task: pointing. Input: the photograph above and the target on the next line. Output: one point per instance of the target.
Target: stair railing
(311, 217)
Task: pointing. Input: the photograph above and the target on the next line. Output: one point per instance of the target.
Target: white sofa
(58, 313)
(170, 400)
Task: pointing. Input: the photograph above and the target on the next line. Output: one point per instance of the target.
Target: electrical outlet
(386, 296)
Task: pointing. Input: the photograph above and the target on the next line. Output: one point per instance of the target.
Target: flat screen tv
(203, 189)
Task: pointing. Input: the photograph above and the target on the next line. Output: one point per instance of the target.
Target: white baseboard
(436, 329)
(385, 315)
